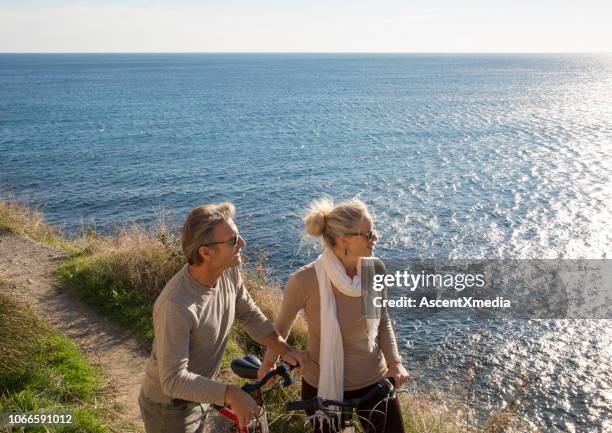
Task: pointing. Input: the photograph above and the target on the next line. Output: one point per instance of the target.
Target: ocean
(457, 156)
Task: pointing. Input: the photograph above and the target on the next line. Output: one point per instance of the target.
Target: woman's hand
(398, 373)
(266, 367)
(300, 359)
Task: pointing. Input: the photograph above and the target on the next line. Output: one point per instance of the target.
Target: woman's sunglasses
(370, 234)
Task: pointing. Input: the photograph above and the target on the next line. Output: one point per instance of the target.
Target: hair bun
(315, 218)
(315, 223)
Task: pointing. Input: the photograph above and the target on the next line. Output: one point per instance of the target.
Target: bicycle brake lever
(284, 369)
(319, 415)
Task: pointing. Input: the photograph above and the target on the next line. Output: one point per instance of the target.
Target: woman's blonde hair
(199, 226)
(326, 220)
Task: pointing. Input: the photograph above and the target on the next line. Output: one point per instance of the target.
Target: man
(192, 318)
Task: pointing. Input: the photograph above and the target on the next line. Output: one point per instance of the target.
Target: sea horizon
(373, 53)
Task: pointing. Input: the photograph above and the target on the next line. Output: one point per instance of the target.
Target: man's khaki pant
(171, 418)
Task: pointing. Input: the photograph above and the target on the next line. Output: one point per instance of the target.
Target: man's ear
(204, 252)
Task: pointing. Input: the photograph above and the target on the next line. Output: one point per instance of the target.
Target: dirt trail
(28, 268)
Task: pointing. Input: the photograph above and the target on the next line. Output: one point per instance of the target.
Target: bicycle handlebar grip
(386, 386)
(284, 370)
(309, 405)
(382, 389)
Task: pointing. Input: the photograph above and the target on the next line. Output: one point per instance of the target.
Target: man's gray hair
(199, 227)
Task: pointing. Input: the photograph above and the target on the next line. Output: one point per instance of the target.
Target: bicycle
(333, 410)
(247, 368)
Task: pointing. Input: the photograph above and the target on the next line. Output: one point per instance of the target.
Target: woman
(350, 353)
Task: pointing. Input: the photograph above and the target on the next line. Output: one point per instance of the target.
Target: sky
(448, 26)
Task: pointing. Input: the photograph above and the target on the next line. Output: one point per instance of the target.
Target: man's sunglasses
(369, 234)
(232, 241)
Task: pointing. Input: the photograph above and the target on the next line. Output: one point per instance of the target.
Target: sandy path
(27, 267)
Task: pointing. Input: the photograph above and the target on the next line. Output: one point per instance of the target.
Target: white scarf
(330, 271)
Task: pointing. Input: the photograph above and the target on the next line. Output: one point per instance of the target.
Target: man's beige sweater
(192, 323)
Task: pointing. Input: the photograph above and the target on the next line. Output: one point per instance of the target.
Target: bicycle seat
(246, 367)
(253, 360)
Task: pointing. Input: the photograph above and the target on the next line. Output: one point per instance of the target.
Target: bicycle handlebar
(283, 370)
(383, 388)
(313, 404)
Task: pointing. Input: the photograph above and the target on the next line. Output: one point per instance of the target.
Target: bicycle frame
(347, 424)
(384, 388)
(262, 420)
(247, 368)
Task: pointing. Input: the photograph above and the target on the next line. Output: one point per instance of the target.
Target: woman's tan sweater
(362, 367)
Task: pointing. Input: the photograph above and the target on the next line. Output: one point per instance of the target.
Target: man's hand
(242, 404)
(398, 373)
(297, 358)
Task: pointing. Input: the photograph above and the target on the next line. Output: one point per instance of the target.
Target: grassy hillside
(43, 372)
(121, 276)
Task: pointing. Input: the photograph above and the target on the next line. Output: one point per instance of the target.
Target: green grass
(92, 279)
(41, 371)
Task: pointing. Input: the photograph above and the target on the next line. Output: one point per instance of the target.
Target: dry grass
(18, 218)
(142, 259)
(435, 412)
(431, 413)
(508, 422)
